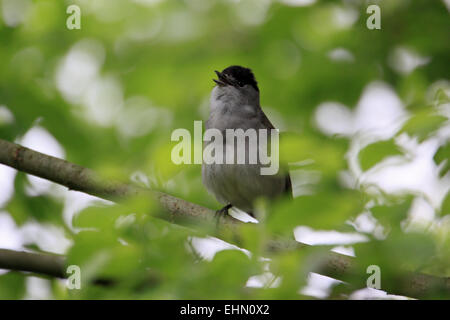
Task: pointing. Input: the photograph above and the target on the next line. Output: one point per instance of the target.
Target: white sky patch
(180, 26)
(347, 180)
(404, 60)
(38, 289)
(319, 286)
(39, 139)
(139, 117)
(371, 294)
(79, 68)
(379, 113)
(341, 54)
(14, 12)
(9, 233)
(148, 2)
(208, 247)
(420, 174)
(345, 17)
(265, 280)
(441, 84)
(334, 118)
(48, 237)
(304, 181)
(420, 216)
(103, 101)
(6, 116)
(142, 30)
(364, 222)
(7, 176)
(348, 251)
(447, 4)
(310, 236)
(252, 12)
(141, 178)
(75, 202)
(297, 3)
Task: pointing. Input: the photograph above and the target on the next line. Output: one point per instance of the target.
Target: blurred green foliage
(112, 92)
(375, 152)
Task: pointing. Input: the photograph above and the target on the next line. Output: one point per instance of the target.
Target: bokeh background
(366, 110)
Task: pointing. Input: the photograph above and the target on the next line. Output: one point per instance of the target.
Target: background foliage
(109, 95)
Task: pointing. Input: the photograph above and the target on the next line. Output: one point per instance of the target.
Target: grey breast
(239, 184)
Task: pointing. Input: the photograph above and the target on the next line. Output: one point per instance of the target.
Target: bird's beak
(223, 80)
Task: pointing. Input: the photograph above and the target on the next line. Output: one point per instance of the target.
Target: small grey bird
(235, 105)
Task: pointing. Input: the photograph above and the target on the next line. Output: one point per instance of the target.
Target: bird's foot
(222, 212)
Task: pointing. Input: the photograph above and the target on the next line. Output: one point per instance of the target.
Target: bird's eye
(240, 83)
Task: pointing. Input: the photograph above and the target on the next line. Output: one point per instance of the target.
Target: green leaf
(324, 210)
(43, 208)
(445, 207)
(101, 254)
(423, 124)
(399, 252)
(376, 152)
(102, 218)
(12, 286)
(324, 154)
(442, 157)
(393, 213)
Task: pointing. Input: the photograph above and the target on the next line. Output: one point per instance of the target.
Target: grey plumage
(235, 105)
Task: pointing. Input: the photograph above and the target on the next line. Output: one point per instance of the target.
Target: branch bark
(45, 264)
(78, 178)
(85, 180)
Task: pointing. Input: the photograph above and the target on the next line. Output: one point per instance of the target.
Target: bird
(235, 104)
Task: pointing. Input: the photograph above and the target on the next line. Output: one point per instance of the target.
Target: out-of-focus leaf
(43, 208)
(102, 218)
(400, 251)
(445, 207)
(376, 152)
(100, 254)
(442, 157)
(291, 269)
(393, 213)
(324, 210)
(232, 267)
(423, 123)
(319, 153)
(111, 217)
(12, 286)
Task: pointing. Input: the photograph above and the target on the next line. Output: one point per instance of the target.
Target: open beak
(223, 80)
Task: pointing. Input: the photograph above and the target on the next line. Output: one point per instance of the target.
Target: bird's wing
(288, 184)
(266, 122)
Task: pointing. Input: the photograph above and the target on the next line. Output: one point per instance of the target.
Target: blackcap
(235, 105)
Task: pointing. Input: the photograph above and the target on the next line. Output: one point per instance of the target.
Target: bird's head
(236, 76)
(237, 84)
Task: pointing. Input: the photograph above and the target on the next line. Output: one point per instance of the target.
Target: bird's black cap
(237, 76)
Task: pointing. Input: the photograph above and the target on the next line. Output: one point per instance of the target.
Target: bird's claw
(222, 212)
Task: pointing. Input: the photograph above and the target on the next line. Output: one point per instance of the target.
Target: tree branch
(81, 179)
(45, 264)
(85, 180)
